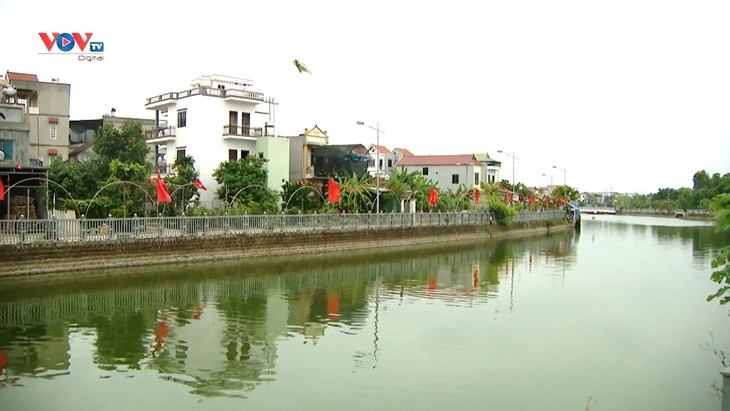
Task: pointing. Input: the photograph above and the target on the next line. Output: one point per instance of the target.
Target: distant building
(386, 159)
(492, 167)
(81, 134)
(217, 119)
(46, 110)
(449, 171)
(301, 160)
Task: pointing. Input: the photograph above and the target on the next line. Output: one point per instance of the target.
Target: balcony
(242, 132)
(163, 99)
(160, 135)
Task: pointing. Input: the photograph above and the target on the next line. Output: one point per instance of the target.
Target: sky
(625, 95)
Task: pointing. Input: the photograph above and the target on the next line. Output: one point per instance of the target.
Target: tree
(721, 263)
(126, 144)
(246, 180)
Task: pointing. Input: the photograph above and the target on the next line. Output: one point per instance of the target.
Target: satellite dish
(2, 156)
(9, 90)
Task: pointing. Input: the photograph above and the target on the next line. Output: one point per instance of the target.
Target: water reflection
(217, 329)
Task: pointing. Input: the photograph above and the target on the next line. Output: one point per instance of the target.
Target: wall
(442, 174)
(62, 257)
(296, 158)
(276, 151)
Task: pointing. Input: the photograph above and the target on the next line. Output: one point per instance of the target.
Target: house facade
(301, 147)
(218, 119)
(385, 160)
(46, 109)
(492, 167)
(448, 171)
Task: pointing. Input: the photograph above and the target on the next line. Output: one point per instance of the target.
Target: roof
(21, 76)
(381, 149)
(81, 147)
(484, 157)
(403, 151)
(444, 160)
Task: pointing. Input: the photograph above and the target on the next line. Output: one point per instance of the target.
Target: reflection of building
(45, 352)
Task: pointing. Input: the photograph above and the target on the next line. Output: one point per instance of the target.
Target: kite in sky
(301, 66)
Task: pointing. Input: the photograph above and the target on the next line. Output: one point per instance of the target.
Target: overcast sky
(627, 95)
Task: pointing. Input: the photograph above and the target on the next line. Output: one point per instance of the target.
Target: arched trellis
(49, 181)
(244, 188)
(286, 206)
(413, 194)
(172, 194)
(144, 190)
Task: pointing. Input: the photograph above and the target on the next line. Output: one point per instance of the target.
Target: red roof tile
(448, 160)
(21, 76)
(382, 149)
(403, 151)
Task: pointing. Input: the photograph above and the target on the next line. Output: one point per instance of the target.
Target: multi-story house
(46, 110)
(385, 160)
(217, 119)
(448, 171)
(301, 158)
(81, 134)
(491, 167)
(400, 153)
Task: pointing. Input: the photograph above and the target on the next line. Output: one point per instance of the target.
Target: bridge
(597, 210)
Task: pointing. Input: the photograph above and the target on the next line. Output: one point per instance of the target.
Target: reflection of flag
(431, 284)
(198, 312)
(3, 361)
(163, 196)
(433, 196)
(199, 185)
(162, 331)
(333, 306)
(2, 190)
(476, 197)
(333, 191)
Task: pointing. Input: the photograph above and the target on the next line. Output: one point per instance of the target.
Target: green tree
(246, 180)
(181, 183)
(720, 207)
(357, 195)
(126, 144)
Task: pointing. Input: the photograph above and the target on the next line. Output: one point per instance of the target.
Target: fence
(54, 230)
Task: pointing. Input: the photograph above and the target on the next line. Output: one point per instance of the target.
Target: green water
(616, 314)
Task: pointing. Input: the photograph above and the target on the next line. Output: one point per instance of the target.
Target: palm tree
(357, 194)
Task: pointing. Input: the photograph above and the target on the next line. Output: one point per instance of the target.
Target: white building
(219, 118)
(449, 172)
(386, 159)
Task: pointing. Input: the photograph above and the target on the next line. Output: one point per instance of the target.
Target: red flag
(476, 197)
(2, 190)
(546, 202)
(509, 198)
(433, 196)
(531, 199)
(333, 191)
(199, 185)
(163, 196)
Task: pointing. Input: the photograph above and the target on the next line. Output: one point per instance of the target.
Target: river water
(612, 318)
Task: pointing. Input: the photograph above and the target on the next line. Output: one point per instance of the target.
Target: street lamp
(513, 169)
(564, 172)
(551, 177)
(377, 161)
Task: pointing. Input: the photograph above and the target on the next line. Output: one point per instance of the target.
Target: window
(371, 163)
(380, 164)
(221, 87)
(6, 146)
(261, 155)
(476, 178)
(244, 154)
(232, 155)
(54, 131)
(390, 163)
(454, 179)
(182, 118)
(425, 171)
(180, 152)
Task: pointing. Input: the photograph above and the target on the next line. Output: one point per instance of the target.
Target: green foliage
(503, 213)
(246, 180)
(405, 185)
(720, 207)
(304, 197)
(126, 144)
(566, 192)
(357, 195)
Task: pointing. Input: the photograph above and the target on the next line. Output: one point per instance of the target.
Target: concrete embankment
(34, 259)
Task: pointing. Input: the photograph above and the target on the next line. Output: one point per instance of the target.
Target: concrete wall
(14, 129)
(443, 174)
(296, 158)
(63, 257)
(276, 151)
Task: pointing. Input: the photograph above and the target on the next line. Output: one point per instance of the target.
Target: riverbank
(37, 259)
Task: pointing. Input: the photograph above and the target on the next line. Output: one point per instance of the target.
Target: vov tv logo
(78, 44)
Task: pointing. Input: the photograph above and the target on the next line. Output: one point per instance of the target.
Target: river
(611, 318)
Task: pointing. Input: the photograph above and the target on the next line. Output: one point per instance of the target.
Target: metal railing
(25, 231)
